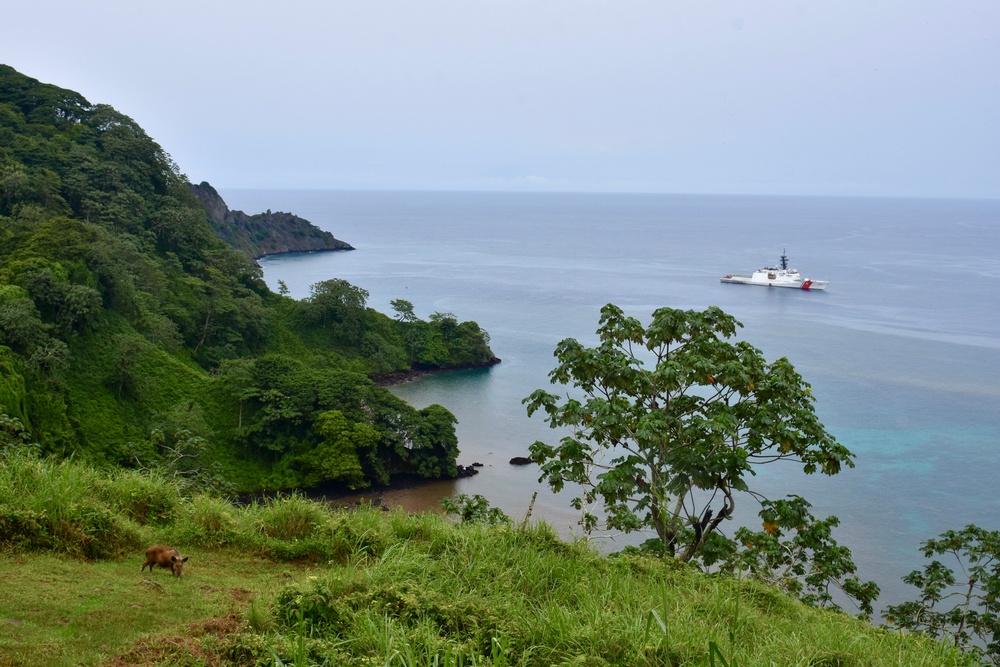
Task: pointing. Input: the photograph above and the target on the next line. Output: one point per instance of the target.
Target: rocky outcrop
(465, 471)
(264, 233)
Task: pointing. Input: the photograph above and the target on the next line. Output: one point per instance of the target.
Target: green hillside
(292, 582)
(131, 334)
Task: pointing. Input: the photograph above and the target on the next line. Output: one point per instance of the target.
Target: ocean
(902, 350)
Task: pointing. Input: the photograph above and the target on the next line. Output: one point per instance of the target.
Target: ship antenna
(784, 260)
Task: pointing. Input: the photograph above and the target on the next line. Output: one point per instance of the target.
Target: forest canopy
(132, 335)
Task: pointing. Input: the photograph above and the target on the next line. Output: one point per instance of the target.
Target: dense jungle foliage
(131, 335)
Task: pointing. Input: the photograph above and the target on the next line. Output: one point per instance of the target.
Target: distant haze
(880, 98)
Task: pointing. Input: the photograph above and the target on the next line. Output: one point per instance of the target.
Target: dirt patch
(219, 626)
(240, 594)
(170, 650)
(175, 649)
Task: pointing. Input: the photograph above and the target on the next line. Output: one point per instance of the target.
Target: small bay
(902, 350)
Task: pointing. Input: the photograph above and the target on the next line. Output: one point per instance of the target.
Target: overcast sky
(840, 97)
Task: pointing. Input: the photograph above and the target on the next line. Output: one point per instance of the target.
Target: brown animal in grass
(166, 558)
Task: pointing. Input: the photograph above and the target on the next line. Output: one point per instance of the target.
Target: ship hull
(808, 285)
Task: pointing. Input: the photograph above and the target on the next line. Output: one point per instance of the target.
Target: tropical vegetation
(289, 581)
(147, 373)
(132, 335)
(667, 425)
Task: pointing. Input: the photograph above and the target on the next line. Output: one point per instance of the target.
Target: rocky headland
(263, 234)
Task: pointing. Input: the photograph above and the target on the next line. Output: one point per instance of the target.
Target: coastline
(300, 252)
(401, 377)
(406, 490)
(400, 484)
(383, 495)
(395, 377)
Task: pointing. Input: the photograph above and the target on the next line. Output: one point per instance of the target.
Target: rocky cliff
(264, 233)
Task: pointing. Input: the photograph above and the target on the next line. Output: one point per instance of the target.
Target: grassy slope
(65, 611)
(308, 584)
(416, 590)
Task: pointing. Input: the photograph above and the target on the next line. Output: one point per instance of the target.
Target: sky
(765, 97)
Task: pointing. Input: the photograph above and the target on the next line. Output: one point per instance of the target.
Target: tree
(69, 306)
(435, 447)
(181, 456)
(236, 378)
(21, 326)
(336, 457)
(403, 309)
(126, 377)
(12, 432)
(796, 552)
(673, 420)
(964, 608)
(475, 509)
(339, 303)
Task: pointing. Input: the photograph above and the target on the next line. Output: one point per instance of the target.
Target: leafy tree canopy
(960, 598)
(666, 425)
(672, 420)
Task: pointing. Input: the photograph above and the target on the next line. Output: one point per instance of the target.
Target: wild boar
(165, 557)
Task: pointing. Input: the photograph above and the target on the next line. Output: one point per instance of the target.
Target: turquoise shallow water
(902, 350)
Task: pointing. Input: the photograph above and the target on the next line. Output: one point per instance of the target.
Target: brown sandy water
(422, 497)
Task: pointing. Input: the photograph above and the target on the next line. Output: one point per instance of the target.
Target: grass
(290, 582)
(57, 610)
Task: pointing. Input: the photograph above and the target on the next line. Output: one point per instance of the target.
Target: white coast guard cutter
(777, 276)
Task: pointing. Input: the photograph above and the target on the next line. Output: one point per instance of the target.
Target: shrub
(289, 517)
(146, 498)
(59, 506)
(210, 522)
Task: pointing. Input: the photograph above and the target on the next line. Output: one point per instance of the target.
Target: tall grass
(487, 596)
(45, 504)
(70, 507)
(408, 590)
(289, 518)
(147, 498)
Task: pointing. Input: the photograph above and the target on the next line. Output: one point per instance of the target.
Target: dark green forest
(132, 335)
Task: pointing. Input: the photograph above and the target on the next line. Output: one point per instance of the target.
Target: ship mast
(784, 260)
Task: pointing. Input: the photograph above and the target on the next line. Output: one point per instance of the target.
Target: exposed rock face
(264, 233)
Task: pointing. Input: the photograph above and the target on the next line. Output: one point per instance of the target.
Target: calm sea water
(902, 350)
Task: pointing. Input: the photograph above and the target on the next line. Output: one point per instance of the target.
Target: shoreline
(340, 496)
(335, 494)
(402, 377)
(276, 253)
